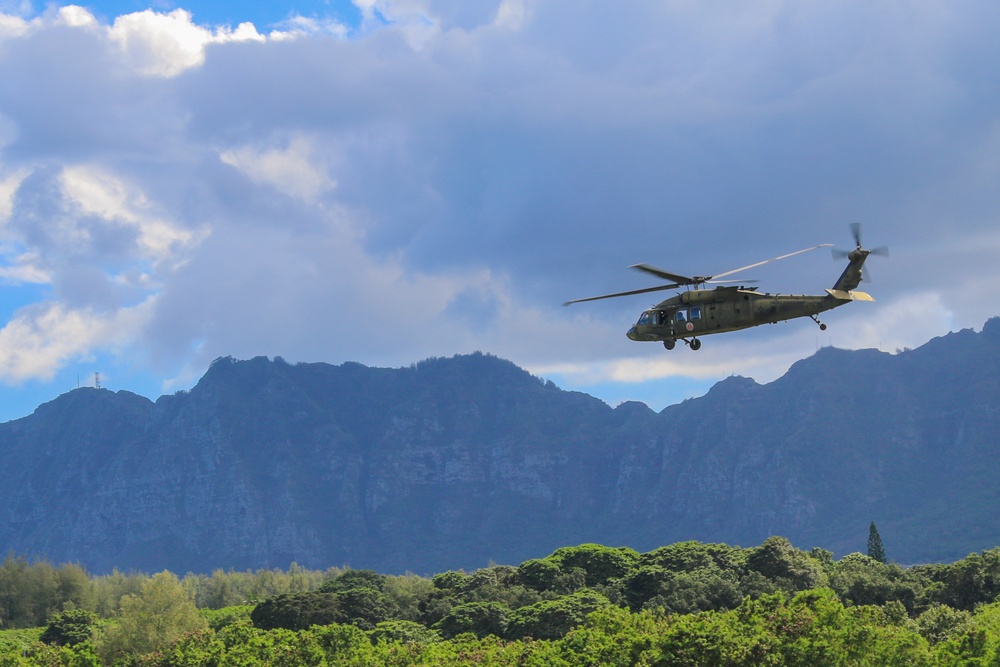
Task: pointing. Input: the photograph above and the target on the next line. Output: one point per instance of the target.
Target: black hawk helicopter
(700, 312)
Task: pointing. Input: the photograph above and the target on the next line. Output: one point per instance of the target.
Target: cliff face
(456, 462)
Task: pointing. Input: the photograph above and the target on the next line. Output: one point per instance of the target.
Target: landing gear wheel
(669, 343)
(822, 327)
(695, 344)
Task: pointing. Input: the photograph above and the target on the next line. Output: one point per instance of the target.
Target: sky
(383, 181)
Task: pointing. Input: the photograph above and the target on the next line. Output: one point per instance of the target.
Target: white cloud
(511, 14)
(24, 268)
(301, 26)
(76, 16)
(97, 192)
(292, 170)
(12, 26)
(42, 338)
(168, 44)
(8, 186)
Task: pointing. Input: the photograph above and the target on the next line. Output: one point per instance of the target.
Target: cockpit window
(644, 319)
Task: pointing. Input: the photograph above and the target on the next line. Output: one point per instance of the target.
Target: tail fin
(851, 277)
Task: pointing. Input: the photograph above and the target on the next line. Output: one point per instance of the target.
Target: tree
(539, 574)
(150, 621)
(480, 618)
(352, 579)
(69, 628)
(366, 607)
(875, 549)
(403, 632)
(788, 567)
(599, 563)
(552, 619)
(298, 611)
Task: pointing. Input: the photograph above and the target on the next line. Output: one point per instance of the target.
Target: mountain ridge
(456, 462)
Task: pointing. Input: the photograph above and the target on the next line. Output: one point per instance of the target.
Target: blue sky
(385, 181)
(261, 14)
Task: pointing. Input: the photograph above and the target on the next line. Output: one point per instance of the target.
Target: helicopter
(699, 312)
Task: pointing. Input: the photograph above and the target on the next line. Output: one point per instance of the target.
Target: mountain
(455, 462)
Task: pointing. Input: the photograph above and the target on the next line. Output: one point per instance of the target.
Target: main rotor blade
(767, 261)
(666, 275)
(629, 293)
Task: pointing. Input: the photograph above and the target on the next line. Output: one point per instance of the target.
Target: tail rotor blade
(856, 232)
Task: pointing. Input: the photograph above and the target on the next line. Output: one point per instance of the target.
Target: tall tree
(875, 549)
(151, 621)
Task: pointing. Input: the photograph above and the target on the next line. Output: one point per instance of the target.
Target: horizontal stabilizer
(852, 295)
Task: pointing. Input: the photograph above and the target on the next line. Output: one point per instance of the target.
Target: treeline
(32, 591)
(688, 603)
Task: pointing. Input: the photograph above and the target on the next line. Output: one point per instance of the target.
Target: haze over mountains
(455, 462)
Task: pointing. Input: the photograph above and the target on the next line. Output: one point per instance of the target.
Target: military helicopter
(700, 312)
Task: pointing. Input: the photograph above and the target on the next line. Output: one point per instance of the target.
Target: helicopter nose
(631, 334)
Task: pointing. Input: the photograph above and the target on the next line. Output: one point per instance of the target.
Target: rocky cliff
(455, 462)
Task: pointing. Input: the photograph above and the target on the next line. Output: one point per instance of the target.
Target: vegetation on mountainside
(684, 604)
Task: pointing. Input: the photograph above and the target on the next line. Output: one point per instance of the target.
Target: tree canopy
(686, 603)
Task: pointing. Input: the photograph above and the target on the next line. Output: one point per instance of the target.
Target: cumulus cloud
(40, 339)
(440, 179)
(292, 170)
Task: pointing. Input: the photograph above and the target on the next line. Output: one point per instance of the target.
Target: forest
(688, 603)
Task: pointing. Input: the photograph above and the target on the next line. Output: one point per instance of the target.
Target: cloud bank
(441, 178)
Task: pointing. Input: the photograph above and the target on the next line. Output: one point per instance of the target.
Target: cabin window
(696, 313)
(681, 315)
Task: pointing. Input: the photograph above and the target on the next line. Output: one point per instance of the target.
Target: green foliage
(479, 618)
(408, 592)
(450, 580)
(31, 592)
(225, 589)
(540, 573)
(974, 641)
(964, 584)
(863, 580)
(70, 627)
(354, 579)
(403, 632)
(790, 568)
(298, 611)
(551, 619)
(150, 621)
(690, 556)
(683, 604)
(705, 589)
(941, 622)
(875, 549)
(600, 564)
(220, 618)
(365, 607)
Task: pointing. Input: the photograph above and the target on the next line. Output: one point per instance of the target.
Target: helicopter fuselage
(701, 312)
